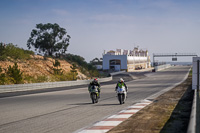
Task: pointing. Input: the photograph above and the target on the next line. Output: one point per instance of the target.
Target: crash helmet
(121, 80)
(95, 80)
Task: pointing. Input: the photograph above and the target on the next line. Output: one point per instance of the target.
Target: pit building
(129, 60)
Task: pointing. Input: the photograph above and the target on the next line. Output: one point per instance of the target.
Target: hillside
(40, 69)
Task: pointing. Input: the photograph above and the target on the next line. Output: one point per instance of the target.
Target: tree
(49, 39)
(74, 71)
(96, 61)
(56, 70)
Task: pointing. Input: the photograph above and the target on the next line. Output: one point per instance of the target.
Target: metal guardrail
(161, 67)
(115, 73)
(198, 113)
(36, 86)
(192, 123)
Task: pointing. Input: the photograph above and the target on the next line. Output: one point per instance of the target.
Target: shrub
(14, 52)
(85, 68)
(2, 77)
(41, 79)
(38, 79)
(14, 74)
(56, 70)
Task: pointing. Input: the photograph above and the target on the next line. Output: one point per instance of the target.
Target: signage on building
(174, 59)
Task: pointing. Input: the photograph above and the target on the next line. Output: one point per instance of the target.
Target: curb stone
(114, 120)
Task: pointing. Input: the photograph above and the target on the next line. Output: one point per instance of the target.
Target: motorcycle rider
(120, 84)
(94, 83)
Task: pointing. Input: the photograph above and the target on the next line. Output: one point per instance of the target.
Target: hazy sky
(161, 26)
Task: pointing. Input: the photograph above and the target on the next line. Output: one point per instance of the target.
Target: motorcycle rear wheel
(120, 98)
(94, 98)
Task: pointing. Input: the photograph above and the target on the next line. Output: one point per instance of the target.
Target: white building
(126, 60)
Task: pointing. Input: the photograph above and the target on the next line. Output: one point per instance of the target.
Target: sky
(159, 26)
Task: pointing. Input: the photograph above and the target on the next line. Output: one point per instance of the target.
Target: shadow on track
(106, 104)
(81, 104)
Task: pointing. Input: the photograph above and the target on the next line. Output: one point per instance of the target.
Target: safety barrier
(192, 123)
(161, 67)
(198, 113)
(115, 73)
(36, 86)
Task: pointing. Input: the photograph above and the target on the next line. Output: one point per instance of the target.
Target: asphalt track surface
(70, 109)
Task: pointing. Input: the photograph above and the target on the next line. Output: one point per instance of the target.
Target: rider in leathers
(120, 84)
(94, 83)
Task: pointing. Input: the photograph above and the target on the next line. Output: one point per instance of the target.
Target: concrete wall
(37, 86)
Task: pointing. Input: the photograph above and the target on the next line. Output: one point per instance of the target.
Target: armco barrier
(115, 73)
(35, 86)
(193, 116)
(194, 124)
(161, 67)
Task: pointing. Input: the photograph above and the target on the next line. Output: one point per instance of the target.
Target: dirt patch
(170, 112)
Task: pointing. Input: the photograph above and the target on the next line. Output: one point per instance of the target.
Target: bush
(85, 68)
(190, 73)
(14, 74)
(28, 79)
(41, 79)
(38, 79)
(2, 77)
(74, 71)
(56, 70)
(13, 52)
(3, 58)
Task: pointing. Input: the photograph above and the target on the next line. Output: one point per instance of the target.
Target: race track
(69, 110)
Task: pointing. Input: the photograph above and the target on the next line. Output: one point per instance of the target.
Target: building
(129, 60)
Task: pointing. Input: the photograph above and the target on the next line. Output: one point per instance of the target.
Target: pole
(198, 101)
(198, 75)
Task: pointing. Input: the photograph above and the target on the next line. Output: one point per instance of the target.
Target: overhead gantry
(173, 55)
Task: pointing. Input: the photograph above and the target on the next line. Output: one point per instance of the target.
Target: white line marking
(124, 116)
(130, 111)
(108, 123)
(93, 131)
(134, 106)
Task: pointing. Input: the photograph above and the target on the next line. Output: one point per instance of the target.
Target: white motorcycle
(121, 94)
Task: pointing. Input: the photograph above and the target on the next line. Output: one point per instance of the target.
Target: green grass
(190, 73)
(12, 53)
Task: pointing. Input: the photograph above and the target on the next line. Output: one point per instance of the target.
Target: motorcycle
(121, 94)
(94, 94)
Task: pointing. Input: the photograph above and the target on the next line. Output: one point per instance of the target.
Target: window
(115, 62)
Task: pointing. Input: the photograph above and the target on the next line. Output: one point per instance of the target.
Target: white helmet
(121, 80)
